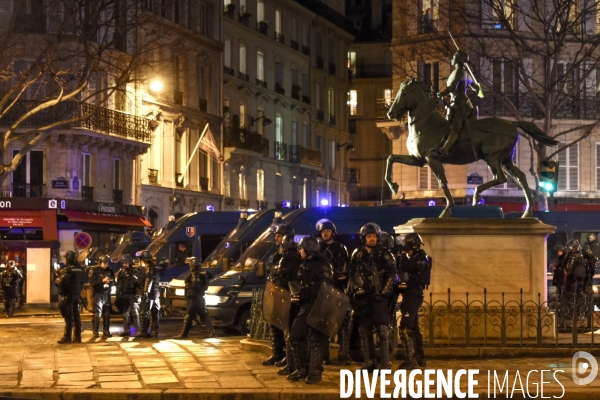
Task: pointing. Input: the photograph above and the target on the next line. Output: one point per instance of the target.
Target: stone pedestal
(488, 277)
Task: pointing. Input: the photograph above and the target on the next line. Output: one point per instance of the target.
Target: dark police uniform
(558, 278)
(129, 289)
(195, 288)
(151, 301)
(11, 279)
(70, 284)
(101, 302)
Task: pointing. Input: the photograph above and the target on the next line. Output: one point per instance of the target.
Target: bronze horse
(490, 139)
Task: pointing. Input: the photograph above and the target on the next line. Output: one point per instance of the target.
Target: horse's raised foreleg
(394, 158)
(498, 178)
(513, 171)
(438, 170)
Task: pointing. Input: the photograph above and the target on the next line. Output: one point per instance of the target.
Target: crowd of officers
(137, 296)
(575, 267)
(373, 278)
(12, 279)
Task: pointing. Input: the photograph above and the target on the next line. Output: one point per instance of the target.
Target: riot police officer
(337, 255)
(415, 275)
(129, 291)
(313, 271)
(283, 273)
(195, 287)
(23, 271)
(150, 296)
(577, 269)
(10, 278)
(277, 336)
(373, 271)
(558, 278)
(70, 284)
(101, 281)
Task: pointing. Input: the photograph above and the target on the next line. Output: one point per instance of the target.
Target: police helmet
(104, 259)
(288, 242)
(386, 239)
(284, 230)
(126, 258)
(325, 224)
(145, 256)
(193, 262)
(71, 256)
(310, 245)
(412, 240)
(11, 264)
(368, 229)
(574, 246)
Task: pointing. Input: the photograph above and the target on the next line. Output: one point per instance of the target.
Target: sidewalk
(211, 369)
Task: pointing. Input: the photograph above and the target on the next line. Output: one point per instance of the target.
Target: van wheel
(242, 326)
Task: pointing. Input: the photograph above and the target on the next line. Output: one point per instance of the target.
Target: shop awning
(108, 219)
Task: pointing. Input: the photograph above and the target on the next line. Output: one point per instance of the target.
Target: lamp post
(348, 146)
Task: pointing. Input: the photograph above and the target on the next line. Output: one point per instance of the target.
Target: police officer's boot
(136, 322)
(315, 364)
(300, 361)
(67, 335)
(344, 352)
(95, 324)
(106, 324)
(126, 332)
(187, 325)
(366, 344)
(289, 361)
(209, 327)
(144, 331)
(383, 334)
(77, 332)
(409, 348)
(154, 325)
(325, 349)
(11, 307)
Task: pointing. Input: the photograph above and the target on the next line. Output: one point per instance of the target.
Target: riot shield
(276, 306)
(329, 310)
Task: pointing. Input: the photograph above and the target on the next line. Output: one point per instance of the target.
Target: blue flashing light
(286, 204)
(210, 207)
(431, 203)
(324, 202)
(344, 205)
(482, 201)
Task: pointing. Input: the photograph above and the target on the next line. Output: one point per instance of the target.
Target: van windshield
(156, 245)
(251, 256)
(215, 257)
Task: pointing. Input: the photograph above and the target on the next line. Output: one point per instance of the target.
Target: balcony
(261, 83)
(87, 193)
(244, 139)
(373, 71)
(332, 120)
(262, 205)
(305, 155)
(306, 99)
(382, 108)
(295, 45)
(98, 119)
(306, 50)
(279, 89)
(117, 196)
(203, 104)
(243, 76)
(204, 183)
(574, 108)
(179, 180)
(320, 63)
(244, 18)
(352, 175)
(262, 27)
(296, 96)
(228, 71)
(229, 202)
(229, 10)
(28, 190)
(428, 25)
(332, 68)
(153, 176)
(244, 203)
(295, 204)
(280, 151)
(321, 116)
(279, 37)
(361, 193)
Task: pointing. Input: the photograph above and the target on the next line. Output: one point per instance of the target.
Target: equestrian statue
(461, 138)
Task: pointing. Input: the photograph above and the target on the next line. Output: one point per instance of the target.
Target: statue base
(488, 279)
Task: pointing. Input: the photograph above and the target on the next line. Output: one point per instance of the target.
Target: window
(260, 185)
(30, 16)
(86, 169)
(504, 79)
(331, 101)
(332, 151)
(319, 45)
(30, 171)
(294, 77)
(202, 84)
(204, 19)
(305, 35)
(499, 14)
(352, 102)
(203, 160)
(242, 6)
(242, 58)
(242, 184)
(352, 62)
(260, 65)
(116, 174)
(430, 11)
(320, 148)
(260, 126)
(227, 53)
(318, 100)
(598, 167)
(278, 123)
(305, 85)
(294, 133)
(277, 21)
(429, 74)
(427, 180)
(294, 29)
(387, 96)
(331, 51)
(37, 89)
(260, 11)
(242, 115)
(568, 169)
(306, 142)
(278, 74)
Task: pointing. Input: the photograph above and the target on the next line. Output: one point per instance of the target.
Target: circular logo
(83, 240)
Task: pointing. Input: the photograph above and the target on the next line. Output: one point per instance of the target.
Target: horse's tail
(536, 133)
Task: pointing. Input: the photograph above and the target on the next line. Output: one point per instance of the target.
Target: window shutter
(562, 168)
(573, 167)
(597, 166)
(423, 178)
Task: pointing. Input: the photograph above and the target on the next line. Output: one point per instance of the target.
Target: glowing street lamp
(156, 85)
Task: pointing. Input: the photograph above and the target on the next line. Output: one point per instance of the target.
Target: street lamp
(156, 85)
(266, 121)
(348, 147)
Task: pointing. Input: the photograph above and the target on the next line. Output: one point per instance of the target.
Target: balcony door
(28, 178)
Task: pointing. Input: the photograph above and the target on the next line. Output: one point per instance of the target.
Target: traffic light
(549, 176)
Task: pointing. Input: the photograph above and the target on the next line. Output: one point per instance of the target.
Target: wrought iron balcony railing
(332, 120)
(295, 45)
(382, 108)
(262, 205)
(305, 50)
(320, 115)
(352, 175)
(244, 203)
(228, 71)
(243, 76)
(332, 68)
(87, 193)
(279, 89)
(279, 37)
(153, 176)
(229, 202)
(261, 83)
(244, 139)
(28, 190)
(204, 184)
(94, 118)
(117, 196)
(280, 151)
(576, 108)
(320, 63)
(305, 155)
(306, 99)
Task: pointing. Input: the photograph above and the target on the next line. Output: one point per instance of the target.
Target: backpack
(424, 276)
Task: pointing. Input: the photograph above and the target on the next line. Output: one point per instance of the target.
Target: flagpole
(193, 153)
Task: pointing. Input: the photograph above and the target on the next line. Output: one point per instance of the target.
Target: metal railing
(320, 115)
(372, 71)
(280, 151)
(152, 176)
(243, 76)
(352, 175)
(582, 108)
(279, 37)
(306, 99)
(362, 193)
(117, 196)
(332, 68)
(382, 108)
(262, 205)
(294, 45)
(305, 50)
(261, 83)
(244, 203)
(279, 89)
(305, 155)
(332, 120)
(28, 190)
(320, 63)
(228, 71)
(87, 193)
(229, 201)
(244, 139)
(204, 183)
